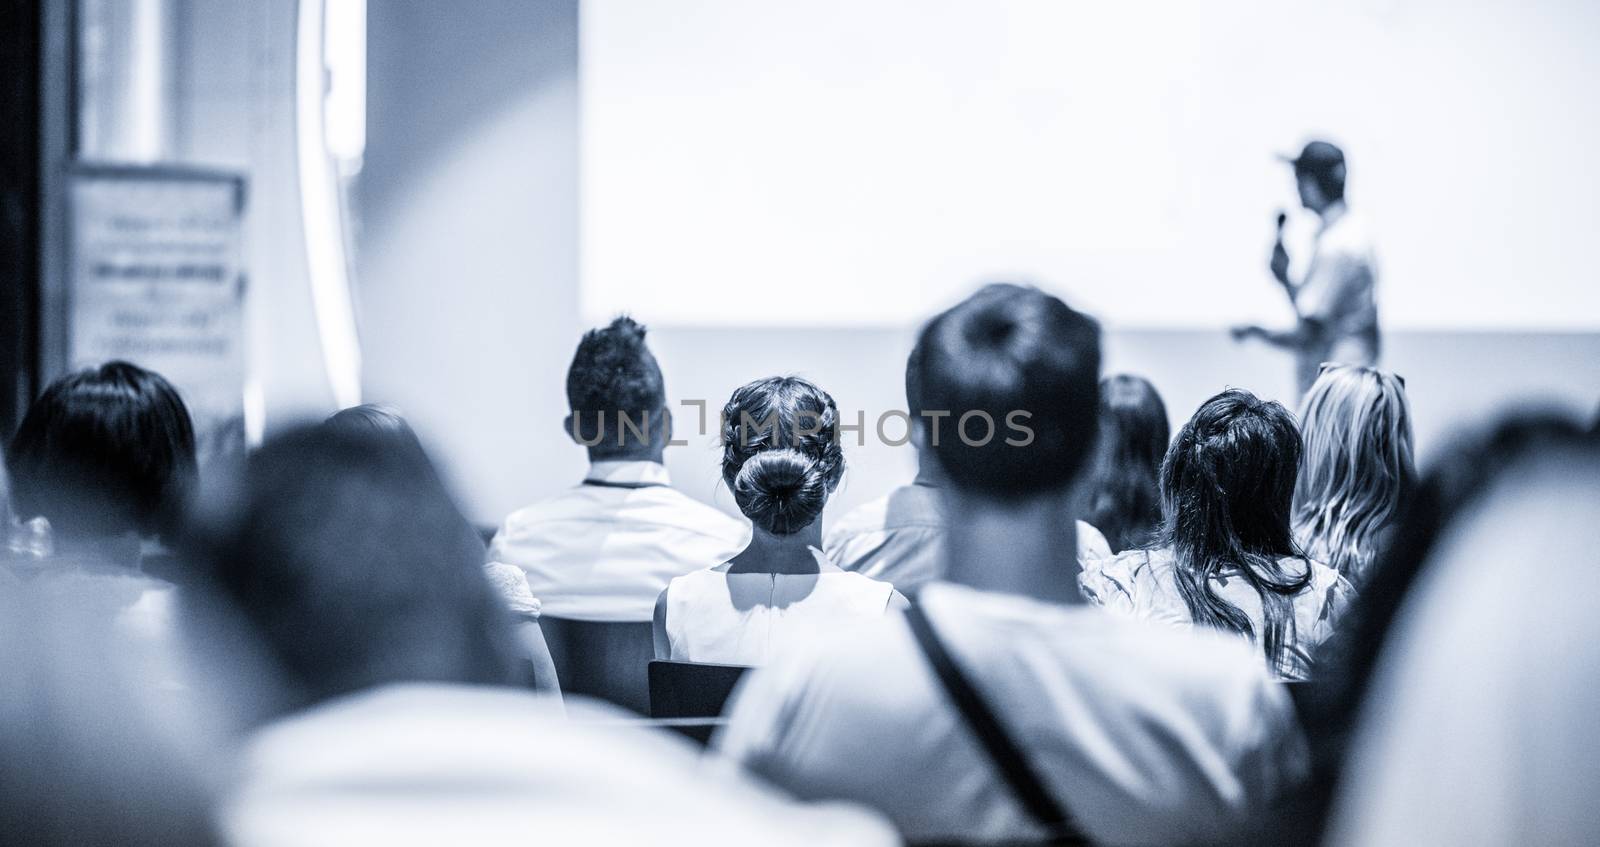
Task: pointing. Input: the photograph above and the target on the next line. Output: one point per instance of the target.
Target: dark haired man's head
(104, 451)
(1007, 386)
(353, 564)
(616, 394)
(1319, 173)
(781, 456)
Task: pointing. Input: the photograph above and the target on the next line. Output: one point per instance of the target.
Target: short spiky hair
(613, 371)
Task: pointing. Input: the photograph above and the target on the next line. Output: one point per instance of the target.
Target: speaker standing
(1334, 304)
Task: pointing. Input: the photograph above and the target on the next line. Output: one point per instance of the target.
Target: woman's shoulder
(857, 582)
(511, 584)
(716, 574)
(1322, 577)
(1140, 562)
(1125, 579)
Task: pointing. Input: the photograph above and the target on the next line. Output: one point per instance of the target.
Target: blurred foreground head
(1015, 373)
(102, 452)
(1476, 701)
(375, 420)
(350, 561)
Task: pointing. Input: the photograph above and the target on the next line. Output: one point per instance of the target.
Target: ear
(566, 426)
(919, 433)
(666, 424)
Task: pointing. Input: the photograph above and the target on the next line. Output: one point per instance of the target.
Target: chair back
(603, 659)
(691, 689)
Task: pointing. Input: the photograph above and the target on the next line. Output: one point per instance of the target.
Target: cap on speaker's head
(1318, 157)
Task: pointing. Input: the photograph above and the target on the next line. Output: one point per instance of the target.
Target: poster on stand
(156, 277)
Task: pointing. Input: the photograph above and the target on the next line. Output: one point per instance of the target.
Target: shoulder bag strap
(1003, 752)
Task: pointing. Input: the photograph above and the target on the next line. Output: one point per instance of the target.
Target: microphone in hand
(1280, 257)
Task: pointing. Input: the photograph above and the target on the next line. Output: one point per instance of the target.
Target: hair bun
(782, 491)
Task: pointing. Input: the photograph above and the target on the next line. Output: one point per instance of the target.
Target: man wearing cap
(1337, 314)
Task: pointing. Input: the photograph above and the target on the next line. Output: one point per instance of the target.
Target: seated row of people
(1226, 527)
(1034, 688)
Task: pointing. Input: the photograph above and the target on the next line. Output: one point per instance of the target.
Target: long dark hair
(1227, 486)
(1125, 501)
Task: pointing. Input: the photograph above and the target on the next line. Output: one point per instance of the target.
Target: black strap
(1003, 752)
(606, 483)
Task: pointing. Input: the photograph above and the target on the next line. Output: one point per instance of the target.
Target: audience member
(352, 565)
(103, 463)
(1226, 557)
(781, 458)
(1478, 724)
(1428, 552)
(387, 426)
(1143, 733)
(1125, 498)
(1356, 466)
(897, 538)
(605, 549)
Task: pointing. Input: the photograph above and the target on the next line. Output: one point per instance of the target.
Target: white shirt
(1339, 291)
(1146, 734)
(1141, 584)
(742, 618)
(451, 764)
(899, 538)
(599, 552)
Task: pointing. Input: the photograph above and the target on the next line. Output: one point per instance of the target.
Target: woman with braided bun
(781, 458)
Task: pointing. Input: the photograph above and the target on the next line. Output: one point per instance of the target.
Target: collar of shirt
(654, 473)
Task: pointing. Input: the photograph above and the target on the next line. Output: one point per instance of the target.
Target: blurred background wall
(467, 252)
(465, 228)
(470, 282)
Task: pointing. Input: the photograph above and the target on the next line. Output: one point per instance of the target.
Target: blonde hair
(1356, 424)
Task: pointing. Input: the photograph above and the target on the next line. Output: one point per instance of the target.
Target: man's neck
(1027, 547)
(928, 471)
(1332, 212)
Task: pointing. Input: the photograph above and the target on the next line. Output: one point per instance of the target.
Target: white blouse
(1141, 584)
(741, 618)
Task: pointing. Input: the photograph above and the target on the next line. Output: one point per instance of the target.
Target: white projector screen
(864, 162)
